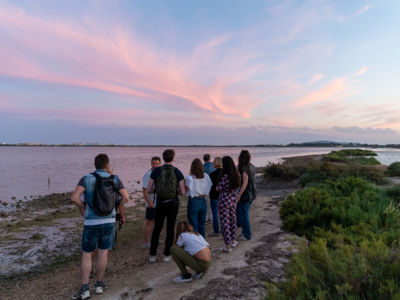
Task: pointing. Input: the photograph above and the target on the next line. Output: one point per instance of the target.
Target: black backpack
(105, 195)
(166, 183)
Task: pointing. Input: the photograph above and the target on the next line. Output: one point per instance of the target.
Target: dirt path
(238, 275)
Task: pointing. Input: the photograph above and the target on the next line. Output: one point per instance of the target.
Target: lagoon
(33, 171)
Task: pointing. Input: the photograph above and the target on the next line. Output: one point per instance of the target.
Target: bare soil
(239, 275)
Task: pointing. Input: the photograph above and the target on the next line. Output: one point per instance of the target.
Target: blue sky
(199, 72)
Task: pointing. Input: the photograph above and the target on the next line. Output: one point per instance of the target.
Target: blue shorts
(98, 236)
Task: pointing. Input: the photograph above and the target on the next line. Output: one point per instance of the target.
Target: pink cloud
(328, 91)
(362, 71)
(316, 78)
(119, 62)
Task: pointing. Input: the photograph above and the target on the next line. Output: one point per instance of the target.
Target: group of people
(228, 190)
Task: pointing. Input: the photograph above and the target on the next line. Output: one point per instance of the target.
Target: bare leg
(147, 230)
(86, 266)
(102, 260)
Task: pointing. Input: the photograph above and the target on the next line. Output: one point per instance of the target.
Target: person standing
(198, 185)
(227, 187)
(150, 198)
(208, 168)
(100, 220)
(168, 181)
(247, 193)
(208, 165)
(215, 176)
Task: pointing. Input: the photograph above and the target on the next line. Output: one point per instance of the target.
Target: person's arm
(146, 197)
(121, 208)
(150, 185)
(76, 198)
(244, 185)
(182, 188)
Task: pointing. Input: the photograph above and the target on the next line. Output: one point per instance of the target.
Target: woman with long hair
(191, 250)
(247, 193)
(198, 185)
(227, 187)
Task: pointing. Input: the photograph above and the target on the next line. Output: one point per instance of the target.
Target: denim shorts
(98, 236)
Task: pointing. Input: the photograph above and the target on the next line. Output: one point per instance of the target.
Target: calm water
(34, 171)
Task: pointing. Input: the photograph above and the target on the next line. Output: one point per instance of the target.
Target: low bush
(354, 232)
(282, 171)
(361, 156)
(394, 169)
(320, 172)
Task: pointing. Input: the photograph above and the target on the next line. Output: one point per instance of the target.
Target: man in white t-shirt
(150, 198)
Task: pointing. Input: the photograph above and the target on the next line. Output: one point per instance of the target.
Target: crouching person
(190, 250)
(103, 193)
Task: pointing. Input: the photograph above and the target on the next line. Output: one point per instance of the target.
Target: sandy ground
(238, 275)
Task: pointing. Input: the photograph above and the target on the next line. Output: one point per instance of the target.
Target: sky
(199, 72)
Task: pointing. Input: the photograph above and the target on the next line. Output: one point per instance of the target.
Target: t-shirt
(146, 178)
(208, 167)
(191, 242)
(198, 186)
(215, 176)
(157, 171)
(88, 182)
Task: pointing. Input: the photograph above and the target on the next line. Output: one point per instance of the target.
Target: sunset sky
(199, 72)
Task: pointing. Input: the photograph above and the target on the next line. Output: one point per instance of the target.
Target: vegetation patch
(394, 169)
(353, 228)
(364, 157)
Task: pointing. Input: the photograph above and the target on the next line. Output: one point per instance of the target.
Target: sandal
(226, 250)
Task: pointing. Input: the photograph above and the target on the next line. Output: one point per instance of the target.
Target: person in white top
(148, 225)
(198, 185)
(192, 250)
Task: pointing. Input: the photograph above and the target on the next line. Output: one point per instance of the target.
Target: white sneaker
(100, 288)
(234, 243)
(81, 295)
(183, 278)
(153, 259)
(167, 259)
(198, 275)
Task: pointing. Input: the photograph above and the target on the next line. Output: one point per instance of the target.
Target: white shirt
(145, 180)
(191, 242)
(198, 186)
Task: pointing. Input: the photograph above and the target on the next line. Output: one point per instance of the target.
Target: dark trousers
(167, 210)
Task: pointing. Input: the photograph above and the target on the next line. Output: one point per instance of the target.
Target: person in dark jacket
(214, 194)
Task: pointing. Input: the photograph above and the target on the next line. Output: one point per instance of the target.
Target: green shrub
(394, 169)
(357, 155)
(281, 171)
(354, 229)
(368, 271)
(320, 172)
(368, 161)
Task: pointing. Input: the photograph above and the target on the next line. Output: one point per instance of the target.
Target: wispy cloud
(363, 10)
(362, 71)
(328, 91)
(117, 61)
(316, 78)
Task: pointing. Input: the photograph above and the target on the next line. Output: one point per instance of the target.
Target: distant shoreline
(301, 145)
